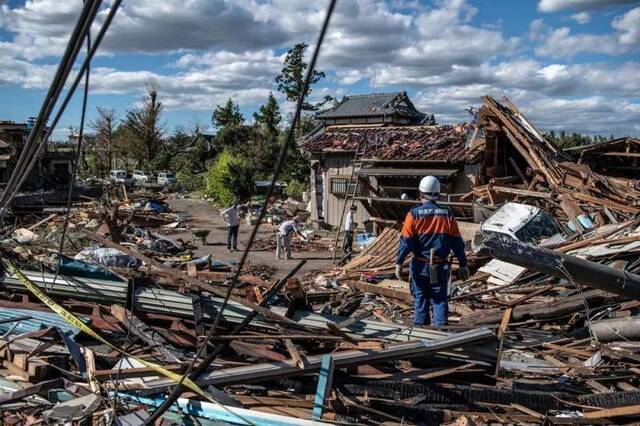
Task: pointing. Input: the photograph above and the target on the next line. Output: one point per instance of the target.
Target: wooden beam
(631, 410)
(272, 370)
(293, 351)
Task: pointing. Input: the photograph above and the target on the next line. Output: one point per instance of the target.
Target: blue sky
(568, 64)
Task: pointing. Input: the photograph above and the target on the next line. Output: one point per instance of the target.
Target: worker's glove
(398, 272)
(464, 273)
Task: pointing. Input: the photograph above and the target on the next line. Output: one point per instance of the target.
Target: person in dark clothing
(232, 217)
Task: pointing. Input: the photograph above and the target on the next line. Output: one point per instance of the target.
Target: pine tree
(268, 117)
(227, 115)
(291, 78)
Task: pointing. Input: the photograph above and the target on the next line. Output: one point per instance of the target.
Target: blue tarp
(79, 268)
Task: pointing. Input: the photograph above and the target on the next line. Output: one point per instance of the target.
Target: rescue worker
(349, 226)
(430, 233)
(285, 235)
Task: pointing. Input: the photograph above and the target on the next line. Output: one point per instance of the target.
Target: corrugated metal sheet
(173, 303)
(38, 321)
(72, 287)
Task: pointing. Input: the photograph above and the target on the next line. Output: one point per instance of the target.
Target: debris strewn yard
(257, 276)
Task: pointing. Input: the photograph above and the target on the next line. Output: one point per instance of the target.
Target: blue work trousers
(427, 295)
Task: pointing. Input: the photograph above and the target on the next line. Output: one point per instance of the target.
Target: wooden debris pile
(551, 179)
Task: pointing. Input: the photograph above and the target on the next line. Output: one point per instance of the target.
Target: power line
(194, 374)
(34, 142)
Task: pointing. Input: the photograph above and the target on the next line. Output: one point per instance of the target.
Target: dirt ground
(208, 217)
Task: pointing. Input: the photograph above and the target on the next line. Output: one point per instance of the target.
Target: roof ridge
(366, 95)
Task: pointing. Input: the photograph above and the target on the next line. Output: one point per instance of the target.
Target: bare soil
(205, 216)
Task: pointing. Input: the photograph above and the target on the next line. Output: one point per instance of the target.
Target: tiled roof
(374, 104)
(436, 143)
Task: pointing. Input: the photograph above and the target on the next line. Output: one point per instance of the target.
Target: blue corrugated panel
(38, 321)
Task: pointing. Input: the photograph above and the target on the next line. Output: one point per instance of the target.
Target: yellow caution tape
(73, 320)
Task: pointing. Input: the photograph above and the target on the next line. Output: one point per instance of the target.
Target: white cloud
(628, 26)
(561, 43)
(581, 17)
(170, 25)
(556, 5)
(438, 50)
(202, 81)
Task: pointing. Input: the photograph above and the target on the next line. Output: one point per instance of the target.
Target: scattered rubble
(544, 331)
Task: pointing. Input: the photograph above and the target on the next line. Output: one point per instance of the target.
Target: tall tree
(291, 78)
(227, 115)
(104, 127)
(144, 125)
(268, 117)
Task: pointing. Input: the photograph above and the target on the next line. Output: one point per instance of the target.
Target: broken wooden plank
(631, 410)
(381, 291)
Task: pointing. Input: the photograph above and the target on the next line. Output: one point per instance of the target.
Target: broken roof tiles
(435, 143)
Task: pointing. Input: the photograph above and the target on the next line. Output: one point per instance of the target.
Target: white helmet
(404, 196)
(430, 186)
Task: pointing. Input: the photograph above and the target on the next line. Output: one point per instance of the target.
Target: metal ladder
(350, 193)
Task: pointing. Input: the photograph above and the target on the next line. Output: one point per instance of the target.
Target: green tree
(229, 177)
(291, 78)
(227, 115)
(143, 124)
(263, 147)
(268, 117)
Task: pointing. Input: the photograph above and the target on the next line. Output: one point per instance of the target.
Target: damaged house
(394, 146)
(54, 165)
(500, 157)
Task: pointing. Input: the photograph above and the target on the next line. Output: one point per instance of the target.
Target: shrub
(229, 177)
(295, 189)
(190, 181)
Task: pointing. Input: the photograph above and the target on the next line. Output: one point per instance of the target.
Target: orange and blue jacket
(429, 226)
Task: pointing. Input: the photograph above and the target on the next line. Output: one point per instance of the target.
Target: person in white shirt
(349, 226)
(232, 217)
(285, 235)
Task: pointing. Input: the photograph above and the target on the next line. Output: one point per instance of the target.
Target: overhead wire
(192, 373)
(34, 141)
(74, 171)
(98, 40)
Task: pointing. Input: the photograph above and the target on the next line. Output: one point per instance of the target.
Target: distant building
(376, 108)
(54, 164)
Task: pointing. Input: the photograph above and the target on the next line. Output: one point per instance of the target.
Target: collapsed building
(55, 162)
(501, 156)
(617, 158)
